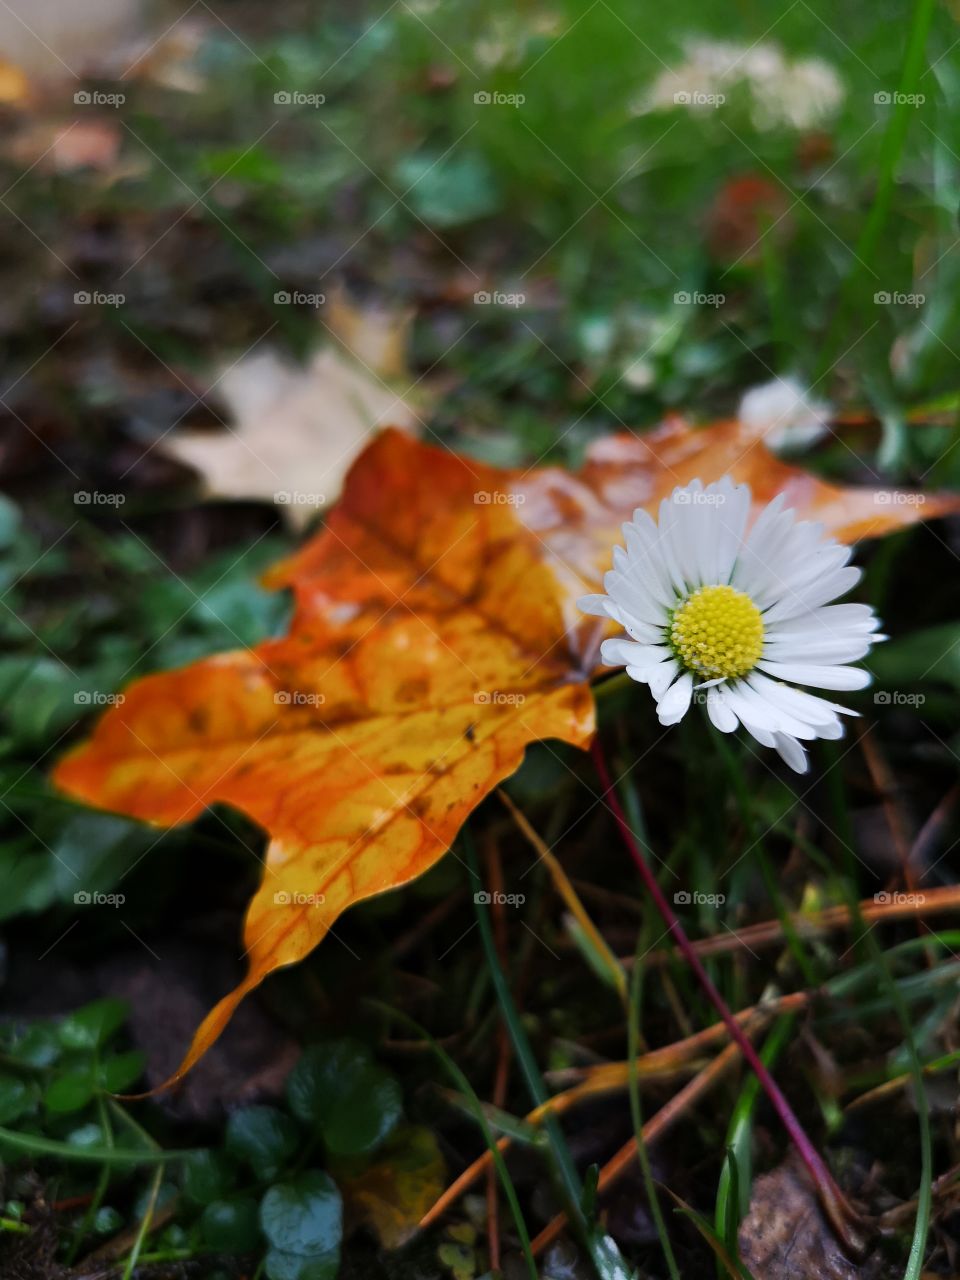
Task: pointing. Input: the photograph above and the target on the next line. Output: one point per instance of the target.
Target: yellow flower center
(718, 633)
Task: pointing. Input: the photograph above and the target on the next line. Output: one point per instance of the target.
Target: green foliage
(208, 1175)
(262, 1138)
(448, 192)
(51, 852)
(338, 1089)
(16, 1098)
(303, 1221)
(231, 1225)
(38, 1045)
(249, 1195)
(93, 1025)
(70, 1091)
(107, 1221)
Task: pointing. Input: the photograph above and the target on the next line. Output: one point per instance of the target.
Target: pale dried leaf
(294, 432)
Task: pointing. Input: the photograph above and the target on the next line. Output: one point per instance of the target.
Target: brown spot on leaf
(197, 720)
(413, 690)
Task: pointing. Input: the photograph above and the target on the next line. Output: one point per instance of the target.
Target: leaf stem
(845, 1221)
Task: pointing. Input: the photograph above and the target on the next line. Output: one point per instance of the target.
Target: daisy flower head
(737, 619)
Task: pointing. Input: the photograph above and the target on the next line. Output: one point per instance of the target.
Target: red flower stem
(842, 1216)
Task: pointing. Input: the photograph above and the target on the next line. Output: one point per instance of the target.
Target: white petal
(705, 524)
(659, 677)
(769, 715)
(598, 605)
(828, 620)
(644, 632)
(676, 543)
(811, 565)
(739, 706)
(646, 562)
(672, 707)
(765, 521)
(835, 730)
(823, 651)
(768, 533)
(639, 534)
(819, 677)
(835, 618)
(791, 751)
(632, 596)
(718, 709)
(783, 560)
(834, 584)
(623, 653)
(801, 559)
(764, 736)
(733, 522)
(805, 706)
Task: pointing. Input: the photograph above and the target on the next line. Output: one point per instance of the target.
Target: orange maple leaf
(434, 637)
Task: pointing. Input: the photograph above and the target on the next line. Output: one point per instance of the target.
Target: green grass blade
(636, 1110)
(736, 1177)
(464, 1085)
(890, 154)
(603, 1252)
(33, 1144)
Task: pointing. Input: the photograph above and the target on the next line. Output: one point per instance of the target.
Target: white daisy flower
(785, 414)
(782, 93)
(741, 617)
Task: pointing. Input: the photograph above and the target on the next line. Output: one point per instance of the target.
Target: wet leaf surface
(785, 1233)
(435, 635)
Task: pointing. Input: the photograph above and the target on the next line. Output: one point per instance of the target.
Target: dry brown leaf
(426, 652)
(377, 336)
(295, 431)
(435, 635)
(60, 39)
(14, 85)
(57, 148)
(786, 1236)
(393, 1193)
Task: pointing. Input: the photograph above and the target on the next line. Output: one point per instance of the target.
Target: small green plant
(262, 1191)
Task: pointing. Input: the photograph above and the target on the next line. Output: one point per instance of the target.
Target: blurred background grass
(576, 234)
(597, 198)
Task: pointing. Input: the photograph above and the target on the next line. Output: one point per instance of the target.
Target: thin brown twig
(656, 1064)
(767, 933)
(666, 1061)
(902, 1213)
(461, 1184)
(886, 787)
(655, 1128)
(929, 835)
